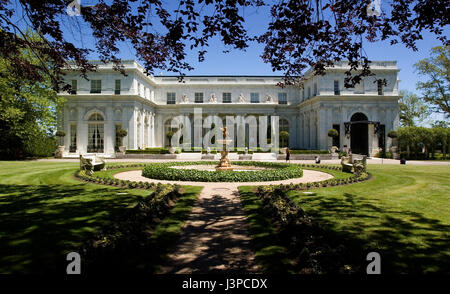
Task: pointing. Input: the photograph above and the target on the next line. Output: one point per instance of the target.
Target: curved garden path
(215, 237)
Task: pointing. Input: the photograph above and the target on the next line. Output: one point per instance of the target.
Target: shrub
(277, 171)
(333, 133)
(392, 134)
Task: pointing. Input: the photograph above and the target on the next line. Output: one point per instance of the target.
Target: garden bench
(91, 163)
(356, 162)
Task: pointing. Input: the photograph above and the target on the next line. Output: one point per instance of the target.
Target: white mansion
(144, 106)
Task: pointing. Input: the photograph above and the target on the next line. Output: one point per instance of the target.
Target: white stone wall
(145, 97)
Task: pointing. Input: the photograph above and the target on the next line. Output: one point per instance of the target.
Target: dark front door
(359, 134)
(359, 140)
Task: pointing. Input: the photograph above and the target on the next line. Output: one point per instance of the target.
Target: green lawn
(403, 213)
(46, 213)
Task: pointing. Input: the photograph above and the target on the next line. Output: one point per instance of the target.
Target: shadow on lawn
(41, 224)
(393, 232)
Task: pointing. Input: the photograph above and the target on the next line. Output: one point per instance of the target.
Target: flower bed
(276, 171)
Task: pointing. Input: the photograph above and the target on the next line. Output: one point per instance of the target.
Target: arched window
(359, 116)
(96, 117)
(95, 133)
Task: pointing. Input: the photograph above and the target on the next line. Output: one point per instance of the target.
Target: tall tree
(436, 70)
(301, 33)
(412, 109)
(28, 115)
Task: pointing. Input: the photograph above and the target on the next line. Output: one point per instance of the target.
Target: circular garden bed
(273, 171)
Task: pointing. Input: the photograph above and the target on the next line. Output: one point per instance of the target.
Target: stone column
(82, 131)
(312, 130)
(322, 124)
(300, 131)
(343, 138)
(109, 135)
(66, 128)
(152, 130)
(132, 140)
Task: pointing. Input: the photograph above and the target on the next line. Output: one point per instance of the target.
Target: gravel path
(215, 237)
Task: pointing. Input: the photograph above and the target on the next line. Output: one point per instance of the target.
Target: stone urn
(59, 151)
(122, 149)
(283, 150)
(172, 150)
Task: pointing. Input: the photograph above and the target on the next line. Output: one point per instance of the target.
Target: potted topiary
(393, 135)
(169, 136)
(121, 133)
(59, 152)
(332, 133)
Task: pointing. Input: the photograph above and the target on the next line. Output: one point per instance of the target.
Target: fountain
(224, 163)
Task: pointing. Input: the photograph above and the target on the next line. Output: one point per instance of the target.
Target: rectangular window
(226, 98)
(315, 89)
(303, 94)
(96, 86)
(73, 90)
(282, 98)
(336, 139)
(198, 97)
(73, 138)
(170, 98)
(117, 87)
(254, 97)
(380, 87)
(139, 89)
(309, 92)
(337, 91)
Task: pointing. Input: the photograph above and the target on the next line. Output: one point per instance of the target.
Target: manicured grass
(46, 213)
(403, 213)
(270, 252)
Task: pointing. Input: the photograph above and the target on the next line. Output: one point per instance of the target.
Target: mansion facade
(145, 105)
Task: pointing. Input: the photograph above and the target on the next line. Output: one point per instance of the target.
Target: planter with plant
(61, 147)
(120, 134)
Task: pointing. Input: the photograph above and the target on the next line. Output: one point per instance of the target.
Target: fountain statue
(224, 163)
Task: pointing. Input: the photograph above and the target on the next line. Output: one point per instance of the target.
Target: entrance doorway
(359, 134)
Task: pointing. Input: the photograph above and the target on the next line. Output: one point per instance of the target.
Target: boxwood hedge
(277, 171)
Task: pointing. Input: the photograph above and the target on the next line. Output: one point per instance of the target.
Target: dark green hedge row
(278, 171)
(156, 150)
(82, 175)
(309, 151)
